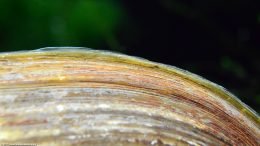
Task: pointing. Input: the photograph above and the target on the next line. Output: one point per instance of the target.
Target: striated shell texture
(76, 96)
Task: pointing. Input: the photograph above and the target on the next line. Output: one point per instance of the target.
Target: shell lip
(163, 67)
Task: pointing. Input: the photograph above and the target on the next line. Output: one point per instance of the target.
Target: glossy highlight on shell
(76, 96)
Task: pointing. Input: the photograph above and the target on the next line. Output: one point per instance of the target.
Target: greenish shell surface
(79, 96)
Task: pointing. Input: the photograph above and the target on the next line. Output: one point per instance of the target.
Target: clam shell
(76, 96)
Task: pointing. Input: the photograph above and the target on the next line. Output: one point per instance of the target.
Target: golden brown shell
(74, 96)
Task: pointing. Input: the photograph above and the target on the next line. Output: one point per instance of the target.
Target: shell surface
(76, 96)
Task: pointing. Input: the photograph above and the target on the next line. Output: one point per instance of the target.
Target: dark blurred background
(217, 39)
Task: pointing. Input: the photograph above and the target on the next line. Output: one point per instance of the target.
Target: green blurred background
(216, 39)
